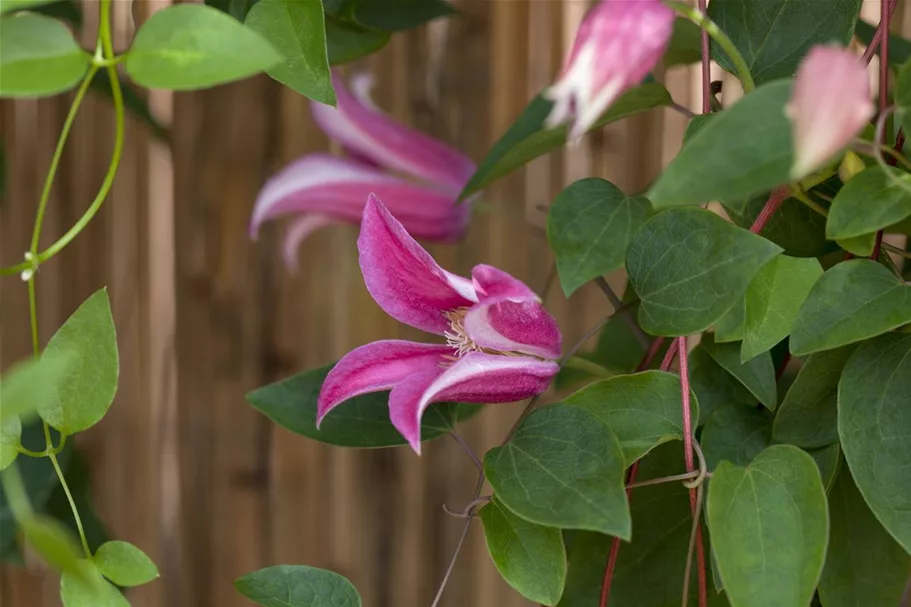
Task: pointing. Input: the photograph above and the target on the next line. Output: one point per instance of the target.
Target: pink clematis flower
(501, 343)
(320, 189)
(829, 106)
(618, 43)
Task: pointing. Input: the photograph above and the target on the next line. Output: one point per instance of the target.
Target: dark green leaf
(531, 558)
(715, 387)
(236, 8)
(757, 374)
(642, 410)
(125, 564)
(853, 301)
(808, 415)
(864, 565)
(85, 393)
(347, 41)
(796, 228)
(773, 299)
(132, 100)
(899, 48)
(729, 327)
(8, 6)
(562, 468)
(685, 45)
(192, 46)
(297, 31)
(528, 138)
(736, 434)
(362, 421)
(89, 589)
(690, 267)
(394, 15)
(874, 423)
(870, 201)
(53, 542)
(297, 586)
(828, 460)
(68, 11)
(589, 227)
(743, 151)
(769, 526)
(38, 57)
(774, 35)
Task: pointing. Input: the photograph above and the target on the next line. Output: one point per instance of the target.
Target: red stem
(650, 355)
(877, 35)
(783, 366)
(775, 199)
(885, 17)
(706, 67)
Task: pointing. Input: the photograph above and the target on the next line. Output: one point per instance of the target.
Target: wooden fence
(182, 466)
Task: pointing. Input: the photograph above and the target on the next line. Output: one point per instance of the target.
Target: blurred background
(182, 466)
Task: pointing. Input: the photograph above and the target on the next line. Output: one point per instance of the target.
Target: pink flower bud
(617, 45)
(830, 104)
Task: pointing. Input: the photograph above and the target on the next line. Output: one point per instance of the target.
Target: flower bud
(850, 166)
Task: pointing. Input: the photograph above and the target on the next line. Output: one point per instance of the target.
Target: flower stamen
(457, 337)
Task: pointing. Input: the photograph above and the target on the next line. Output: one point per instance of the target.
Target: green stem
(740, 65)
(802, 197)
(69, 498)
(33, 316)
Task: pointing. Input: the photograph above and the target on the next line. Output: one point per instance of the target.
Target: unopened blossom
(501, 344)
(320, 189)
(618, 43)
(829, 106)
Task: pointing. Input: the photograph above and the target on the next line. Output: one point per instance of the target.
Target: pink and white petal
(514, 326)
(404, 401)
(362, 127)
(374, 367)
(402, 277)
(494, 283)
(298, 232)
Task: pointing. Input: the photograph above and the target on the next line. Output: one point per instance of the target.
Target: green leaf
(853, 301)
(528, 138)
(392, 15)
(861, 246)
(774, 35)
(690, 267)
(589, 227)
(736, 434)
(297, 31)
(31, 385)
(874, 425)
(531, 558)
(808, 415)
(85, 393)
(796, 228)
(8, 6)
(769, 526)
(899, 48)
(757, 374)
(10, 439)
(729, 327)
(297, 586)
(828, 460)
(743, 151)
(68, 11)
(89, 589)
(773, 299)
(38, 57)
(347, 41)
(686, 44)
(562, 468)
(362, 421)
(125, 564)
(236, 8)
(864, 565)
(870, 201)
(52, 541)
(192, 46)
(642, 410)
(715, 387)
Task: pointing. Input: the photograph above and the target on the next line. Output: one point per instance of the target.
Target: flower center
(456, 336)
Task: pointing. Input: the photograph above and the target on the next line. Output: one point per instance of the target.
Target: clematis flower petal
(403, 278)
(374, 367)
(511, 326)
(360, 126)
(475, 378)
(491, 282)
(298, 232)
(829, 105)
(618, 43)
(338, 188)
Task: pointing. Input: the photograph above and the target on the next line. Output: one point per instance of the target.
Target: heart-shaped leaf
(89, 589)
(125, 564)
(715, 387)
(757, 375)
(38, 56)
(870, 201)
(297, 586)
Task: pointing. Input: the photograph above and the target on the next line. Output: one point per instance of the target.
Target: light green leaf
(125, 564)
(861, 246)
(297, 31)
(642, 410)
(864, 565)
(589, 227)
(769, 527)
(808, 415)
(528, 138)
(773, 299)
(690, 267)
(52, 541)
(89, 589)
(31, 385)
(774, 35)
(741, 152)
(874, 425)
(870, 201)
(757, 374)
(347, 41)
(562, 468)
(531, 558)
(192, 46)
(730, 326)
(362, 421)
(85, 393)
(10, 437)
(8, 6)
(297, 586)
(38, 56)
(714, 387)
(853, 301)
